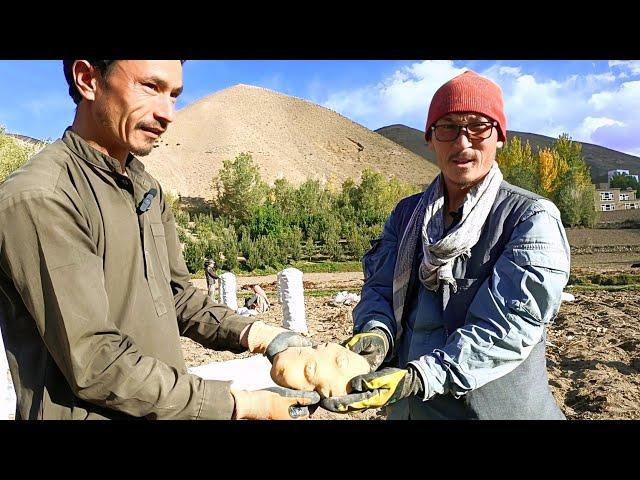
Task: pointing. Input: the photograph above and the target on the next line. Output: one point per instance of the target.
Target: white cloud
(591, 124)
(410, 90)
(599, 80)
(403, 97)
(513, 71)
(586, 106)
(626, 98)
(554, 106)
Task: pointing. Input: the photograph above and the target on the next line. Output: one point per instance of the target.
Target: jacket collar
(86, 152)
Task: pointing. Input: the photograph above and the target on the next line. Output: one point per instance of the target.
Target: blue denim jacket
(491, 364)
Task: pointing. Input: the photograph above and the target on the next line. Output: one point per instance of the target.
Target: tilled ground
(593, 352)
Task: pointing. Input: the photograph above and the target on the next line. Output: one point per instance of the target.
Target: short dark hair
(103, 66)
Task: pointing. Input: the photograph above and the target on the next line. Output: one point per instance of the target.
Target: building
(610, 199)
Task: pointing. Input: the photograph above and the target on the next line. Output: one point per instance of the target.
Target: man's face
(135, 103)
(466, 160)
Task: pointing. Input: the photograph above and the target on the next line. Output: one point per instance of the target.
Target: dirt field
(593, 353)
(595, 237)
(594, 356)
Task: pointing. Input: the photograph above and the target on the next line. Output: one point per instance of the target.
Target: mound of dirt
(286, 136)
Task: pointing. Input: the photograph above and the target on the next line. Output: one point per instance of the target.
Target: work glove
(274, 403)
(372, 345)
(377, 389)
(270, 341)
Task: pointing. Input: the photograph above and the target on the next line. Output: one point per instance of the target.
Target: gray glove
(270, 340)
(285, 340)
(311, 400)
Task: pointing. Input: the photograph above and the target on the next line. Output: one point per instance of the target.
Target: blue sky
(594, 101)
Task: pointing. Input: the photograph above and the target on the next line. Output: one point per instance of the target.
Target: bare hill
(600, 159)
(286, 136)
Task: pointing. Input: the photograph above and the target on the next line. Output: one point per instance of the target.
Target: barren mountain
(287, 137)
(600, 159)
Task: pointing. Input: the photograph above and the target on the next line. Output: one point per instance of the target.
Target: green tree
(238, 188)
(266, 220)
(283, 197)
(575, 193)
(14, 153)
(309, 249)
(194, 254)
(624, 182)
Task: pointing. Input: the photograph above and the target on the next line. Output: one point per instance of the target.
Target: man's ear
(85, 77)
(430, 146)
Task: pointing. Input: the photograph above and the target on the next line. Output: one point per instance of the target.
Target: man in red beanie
(462, 282)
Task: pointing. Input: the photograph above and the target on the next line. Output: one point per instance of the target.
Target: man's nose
(165, 109)
(463, 138)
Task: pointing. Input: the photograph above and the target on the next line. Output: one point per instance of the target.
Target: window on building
(624, 196)
(607, 207)
(606, 196)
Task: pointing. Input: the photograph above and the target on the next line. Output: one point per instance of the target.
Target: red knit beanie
(468, 92)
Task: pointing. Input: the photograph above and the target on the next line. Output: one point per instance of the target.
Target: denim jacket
(479, 350)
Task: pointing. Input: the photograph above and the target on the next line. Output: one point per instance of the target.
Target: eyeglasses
(448, 132)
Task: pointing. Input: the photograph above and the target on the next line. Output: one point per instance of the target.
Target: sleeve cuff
(228, 336)
(217, 401)
(370, 325)
(432, 383)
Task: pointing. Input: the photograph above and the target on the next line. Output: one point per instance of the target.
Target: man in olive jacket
(94, 291)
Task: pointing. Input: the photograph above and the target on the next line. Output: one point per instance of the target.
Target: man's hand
(372, 345)
(275, 403)
(269, 340)
(376, 389)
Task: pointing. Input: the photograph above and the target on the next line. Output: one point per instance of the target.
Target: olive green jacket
(94, 295)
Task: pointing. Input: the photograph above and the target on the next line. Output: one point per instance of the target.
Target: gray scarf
(440, 250)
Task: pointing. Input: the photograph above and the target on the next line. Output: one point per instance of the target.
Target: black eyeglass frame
(470, 136)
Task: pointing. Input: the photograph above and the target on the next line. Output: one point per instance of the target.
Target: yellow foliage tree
(548, 171)
(552, 169)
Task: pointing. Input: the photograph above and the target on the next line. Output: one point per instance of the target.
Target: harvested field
(593, 353)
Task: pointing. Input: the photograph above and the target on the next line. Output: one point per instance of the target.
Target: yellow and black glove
(372, 345)
(376, 389)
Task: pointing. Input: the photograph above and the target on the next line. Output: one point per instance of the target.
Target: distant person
(94, 291)
(258, 301)
(463, 281)
(212, 278)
